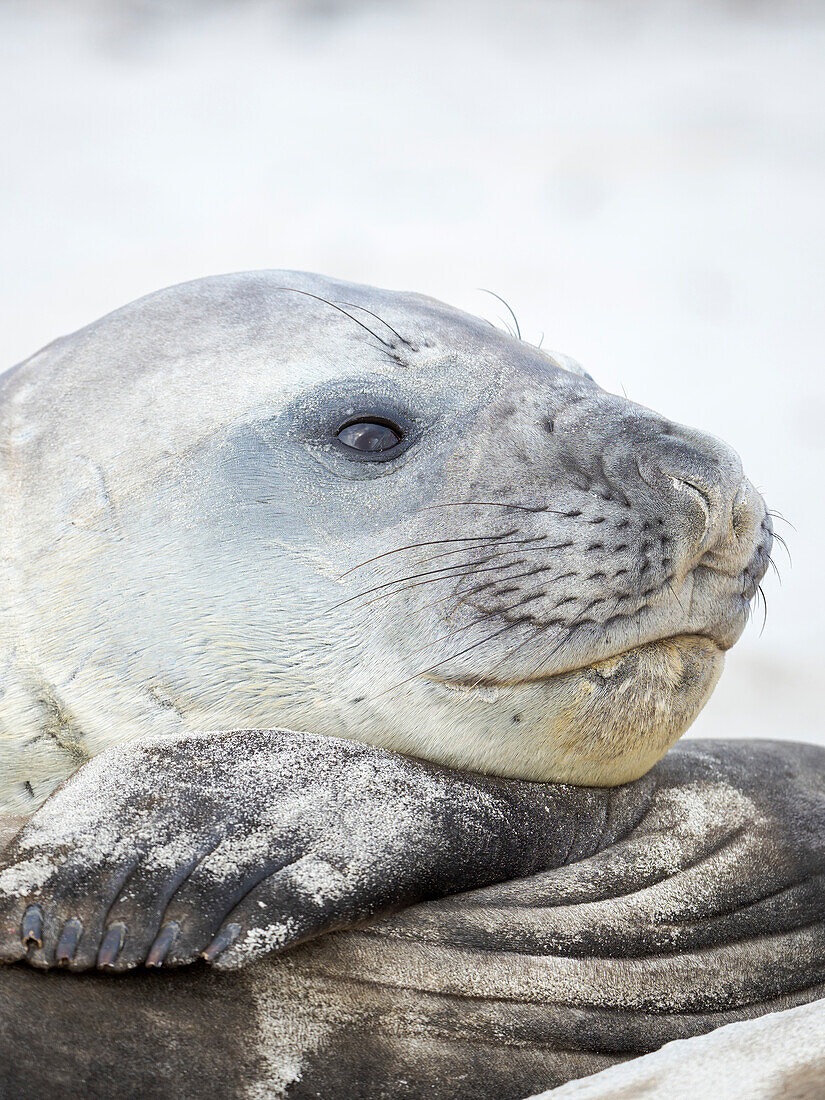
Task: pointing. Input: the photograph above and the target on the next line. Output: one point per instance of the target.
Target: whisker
(326, 301)
(430, 542)
(491, 504)
(778, 538)
(576, 622)
(409, 577)
(506, 306)
(495, 546)
(452, 657)
(458, 630)
(573, 625)
(364, 607)
(482, 619)
(537, 633)
(430, 580)
(530, 573)
(354, 305)
(435, 603)
(765, 608)
(757, 599)
(457, 576)
(441, 599)
(510, 653)
(465, 596)
(673, 593)
(778, 515)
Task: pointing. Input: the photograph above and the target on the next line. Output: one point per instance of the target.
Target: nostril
(696, 491)
(682, 485)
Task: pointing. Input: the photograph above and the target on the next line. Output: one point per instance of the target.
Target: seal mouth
(615, 668)
(603, 723)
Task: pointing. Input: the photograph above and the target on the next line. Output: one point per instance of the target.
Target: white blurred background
(643, 181)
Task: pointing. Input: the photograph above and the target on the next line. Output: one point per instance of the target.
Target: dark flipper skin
(228, 846)
(684, 901)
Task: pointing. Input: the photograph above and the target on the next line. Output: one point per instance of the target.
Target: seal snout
(692, 487)
(700, 481)
(725, 524)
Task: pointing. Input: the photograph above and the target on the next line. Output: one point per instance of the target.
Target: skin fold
(476, 874)
(683, 901)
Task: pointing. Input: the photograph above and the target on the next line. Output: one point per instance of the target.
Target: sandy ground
(642, 181)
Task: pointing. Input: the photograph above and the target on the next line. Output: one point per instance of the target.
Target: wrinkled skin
(686, 900)
(277, 834)
(778, 1057)
(540, 581)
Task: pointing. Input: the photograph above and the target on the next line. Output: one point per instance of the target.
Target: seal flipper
(155, 848)
(507, 990)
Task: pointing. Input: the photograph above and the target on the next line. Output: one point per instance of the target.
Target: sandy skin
(686, 900)
(324, 507)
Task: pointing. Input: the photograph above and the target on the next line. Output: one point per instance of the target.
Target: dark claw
(225, 938)
(163, 941)
(31, 929)
(112, 943)
(67, 944)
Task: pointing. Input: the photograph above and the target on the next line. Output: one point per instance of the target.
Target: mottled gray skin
(540, 582)
(690, 898)
(283, 834)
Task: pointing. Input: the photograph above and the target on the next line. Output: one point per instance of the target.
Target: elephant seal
(275, 499)
(278, 500)
(660, 910)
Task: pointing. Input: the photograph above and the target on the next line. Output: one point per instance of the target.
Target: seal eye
(371, 436)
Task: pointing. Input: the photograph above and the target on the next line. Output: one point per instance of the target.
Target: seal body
(275, 499)
(703, 907)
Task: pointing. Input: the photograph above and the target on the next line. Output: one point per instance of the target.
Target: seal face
(275, 499)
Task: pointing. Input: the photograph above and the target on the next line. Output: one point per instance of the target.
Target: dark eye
(372, 436)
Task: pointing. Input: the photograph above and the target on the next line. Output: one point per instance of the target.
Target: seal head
(276, 499)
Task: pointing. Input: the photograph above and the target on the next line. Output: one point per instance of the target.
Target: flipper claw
(31, 928)
(112, 944)
(67, 944)
(225, 938)
(162, 943)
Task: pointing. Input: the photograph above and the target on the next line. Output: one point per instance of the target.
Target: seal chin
(608, 722)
